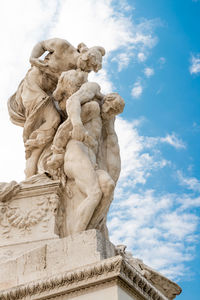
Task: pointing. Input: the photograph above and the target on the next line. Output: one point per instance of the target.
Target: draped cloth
(28, 103)
(31, 106)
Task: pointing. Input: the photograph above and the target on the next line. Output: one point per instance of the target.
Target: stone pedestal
(108, 279)
(83, 266)
(37, 261)
(32, 217)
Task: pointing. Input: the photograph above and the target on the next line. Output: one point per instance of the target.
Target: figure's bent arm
(50, 45)
(85, 94)
(73, 108)
(38, 50)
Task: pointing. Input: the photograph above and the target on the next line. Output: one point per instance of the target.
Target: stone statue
(32, 106)
(69, 129)
(91, 148)
(53, 233)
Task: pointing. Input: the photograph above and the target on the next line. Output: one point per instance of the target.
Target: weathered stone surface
(68, 130)
(112, 277)
(54, 257)
(35, 214)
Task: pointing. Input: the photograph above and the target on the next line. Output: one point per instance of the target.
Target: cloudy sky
(153, 62)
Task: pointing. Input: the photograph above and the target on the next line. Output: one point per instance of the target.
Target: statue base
(82, 266)
(39, 261)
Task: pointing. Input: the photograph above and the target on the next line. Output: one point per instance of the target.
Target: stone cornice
(115, 268)
(38, 189)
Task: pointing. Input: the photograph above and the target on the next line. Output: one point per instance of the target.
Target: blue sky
(153, 62)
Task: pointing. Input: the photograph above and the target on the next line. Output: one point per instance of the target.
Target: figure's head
(113, 105)
(68, 83)
(90, 59)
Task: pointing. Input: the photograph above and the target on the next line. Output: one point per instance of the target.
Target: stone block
(31, 218)
(56, 256)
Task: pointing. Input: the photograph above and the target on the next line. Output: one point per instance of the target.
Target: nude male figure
(90, 162)
(87, 150)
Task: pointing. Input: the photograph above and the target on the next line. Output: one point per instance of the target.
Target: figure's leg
(59, 144)
(31, 162)
(49, 119)
(107, 186)
(62, 135)
(78, 166)
(40, 137)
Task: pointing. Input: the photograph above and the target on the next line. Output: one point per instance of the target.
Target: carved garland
(23, 220)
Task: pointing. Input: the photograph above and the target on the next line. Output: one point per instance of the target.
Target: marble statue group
(68, 129)
(53, 234)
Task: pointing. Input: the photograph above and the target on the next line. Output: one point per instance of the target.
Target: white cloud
(191, 183)
(24, 24)
(102, 23)
(111, 27)
(103, 80)
(137, 90)
(187, 202)
(149, 72)
(141, 57)
(20, 35)
(137, 159)
(123, 5)
(157, 228)
(173, 140)
(123, 60)
(140, 155)
(195, 64)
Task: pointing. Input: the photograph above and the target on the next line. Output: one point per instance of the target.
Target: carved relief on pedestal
(23, 220)
(31, 216)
